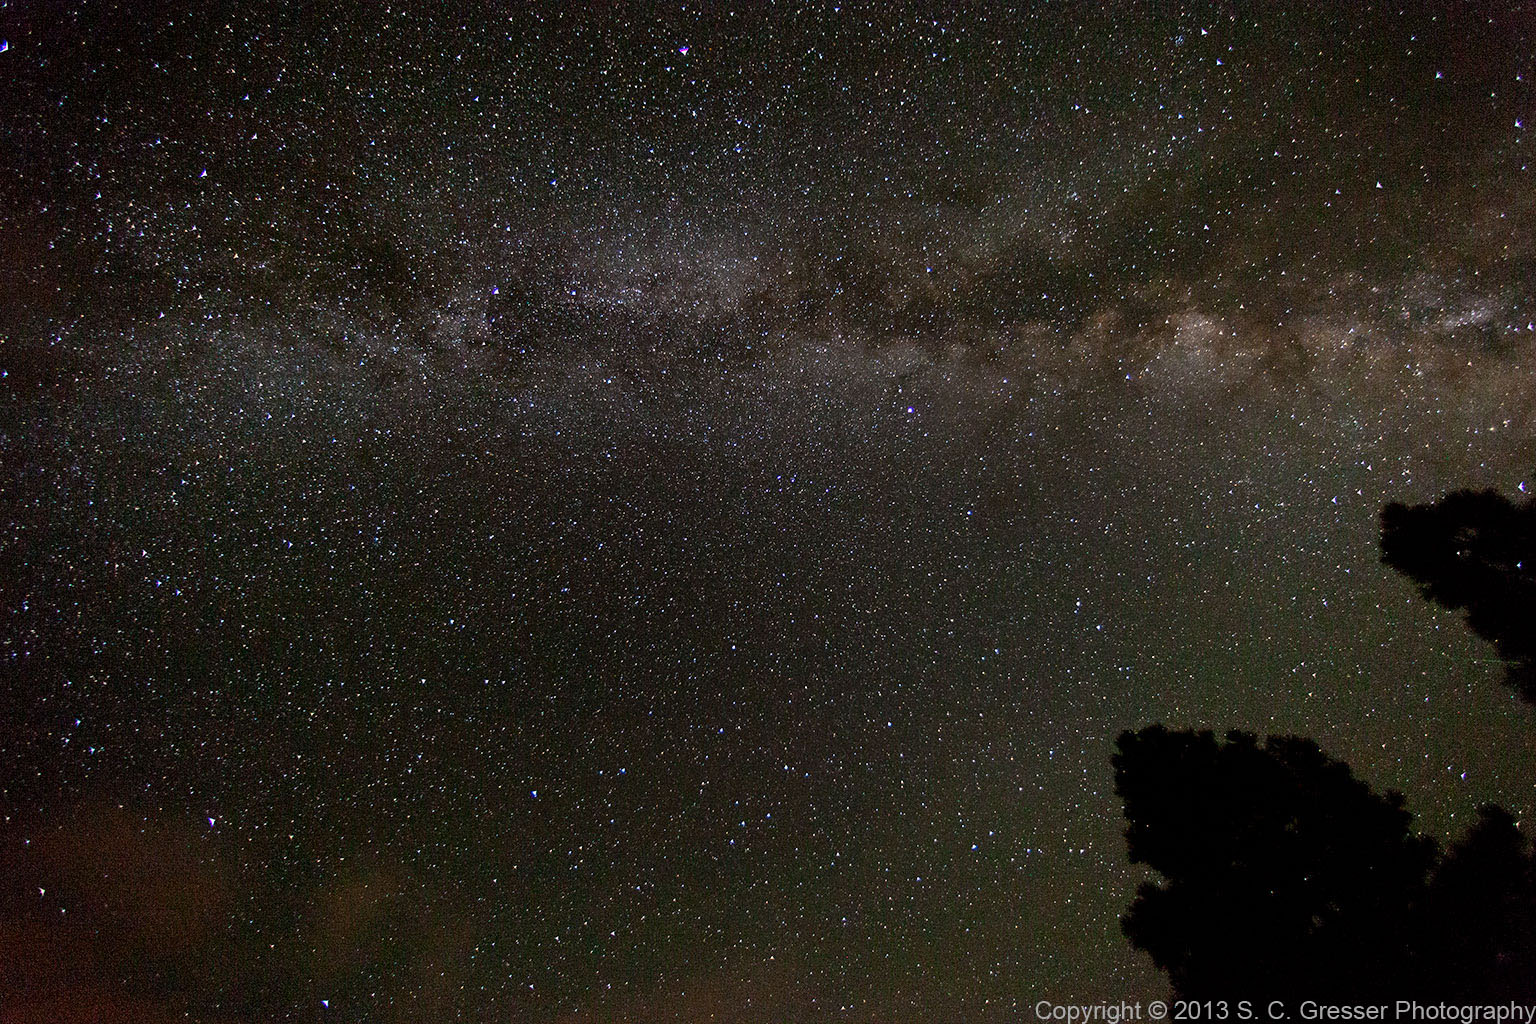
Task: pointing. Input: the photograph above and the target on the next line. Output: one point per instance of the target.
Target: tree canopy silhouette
(1474, 550)
(1284, 876)
(1476, 931)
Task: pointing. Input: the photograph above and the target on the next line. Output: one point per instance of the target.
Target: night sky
(659, 513)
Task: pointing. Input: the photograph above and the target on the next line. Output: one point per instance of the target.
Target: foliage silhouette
(1477, 928)
(1474, 550)
(1285, 877)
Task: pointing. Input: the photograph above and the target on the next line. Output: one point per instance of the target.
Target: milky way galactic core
(653, 513)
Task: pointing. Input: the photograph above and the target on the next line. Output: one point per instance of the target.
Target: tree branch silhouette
(1285, 877)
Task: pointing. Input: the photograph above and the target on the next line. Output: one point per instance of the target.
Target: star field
(659, 514)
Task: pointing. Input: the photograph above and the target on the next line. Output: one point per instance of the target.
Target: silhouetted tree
(1474, 550)
(1284, 875)
(1475, 934)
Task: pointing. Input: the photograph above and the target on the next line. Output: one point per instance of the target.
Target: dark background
(504, 518)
